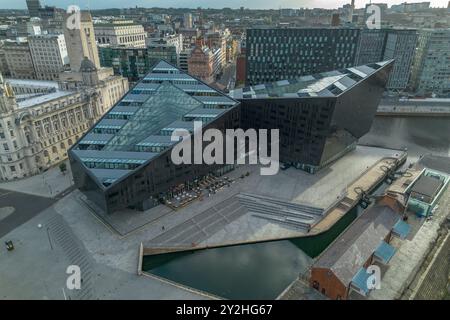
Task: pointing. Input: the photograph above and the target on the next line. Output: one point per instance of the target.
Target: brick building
(201, 64)
(341, 270)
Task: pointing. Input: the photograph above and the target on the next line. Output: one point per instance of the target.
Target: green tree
(63, 167)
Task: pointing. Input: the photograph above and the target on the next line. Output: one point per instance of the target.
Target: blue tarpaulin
(402, 229)
(384, 252)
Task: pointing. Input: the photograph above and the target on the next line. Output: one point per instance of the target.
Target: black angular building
(320, 117)
(124, 161)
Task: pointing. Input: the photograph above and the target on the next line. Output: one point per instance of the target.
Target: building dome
(87, 65)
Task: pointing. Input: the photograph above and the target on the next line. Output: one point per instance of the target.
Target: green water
(250, 271)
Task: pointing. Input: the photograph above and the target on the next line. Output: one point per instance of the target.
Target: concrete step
(284, 204)
(273, 210)
(295, 224)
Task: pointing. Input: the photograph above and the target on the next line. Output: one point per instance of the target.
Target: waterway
(420, 135)
(250, 271)
(264, 270)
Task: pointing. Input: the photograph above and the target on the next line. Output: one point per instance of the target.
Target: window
(13, 168)
(6, 147)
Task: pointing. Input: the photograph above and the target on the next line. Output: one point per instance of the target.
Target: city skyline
(178, 150)
(252, 4)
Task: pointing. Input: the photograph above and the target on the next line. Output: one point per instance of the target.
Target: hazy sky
(257, 4)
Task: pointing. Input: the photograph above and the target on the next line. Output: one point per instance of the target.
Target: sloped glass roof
(161, 109)
(143, 120)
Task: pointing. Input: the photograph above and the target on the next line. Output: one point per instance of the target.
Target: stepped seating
(287, 213)
(290, 205)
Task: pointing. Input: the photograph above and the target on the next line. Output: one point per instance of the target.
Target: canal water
(264, 270)
(420, 135)
(250, 271)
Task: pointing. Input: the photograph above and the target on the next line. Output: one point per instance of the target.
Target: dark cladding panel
(356, 108)
(86, 183)
(303, 125)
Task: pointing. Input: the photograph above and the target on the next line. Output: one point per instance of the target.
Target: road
(25, 206)
(228, 72)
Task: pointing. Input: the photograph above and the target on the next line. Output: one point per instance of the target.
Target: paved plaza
(50, 183)
(70, 233)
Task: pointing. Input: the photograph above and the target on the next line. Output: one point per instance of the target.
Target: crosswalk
(61, 235)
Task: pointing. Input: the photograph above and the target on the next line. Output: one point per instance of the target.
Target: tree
(63, 167)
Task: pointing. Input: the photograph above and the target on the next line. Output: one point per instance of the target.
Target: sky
(253, 4)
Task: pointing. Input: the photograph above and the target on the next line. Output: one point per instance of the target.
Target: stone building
(123, 33)
(81, 43)
(49, 54)
(40, 120)
(18, 59)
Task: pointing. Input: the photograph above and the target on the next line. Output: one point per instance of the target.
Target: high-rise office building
(183, 59)
(18, 59)
(385, 44)
(371, 45)
(187, 20)
(33, 7)
(431, 70)
(135, 63)
(276, 54)
(49, 53)
(401, 46)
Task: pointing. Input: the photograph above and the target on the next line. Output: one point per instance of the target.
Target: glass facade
(135, 63)
(274, 54)
(125, 159)
(320, 117)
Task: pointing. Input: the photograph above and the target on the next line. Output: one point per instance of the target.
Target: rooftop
(327, 84)
(50, 92)
(351, 250)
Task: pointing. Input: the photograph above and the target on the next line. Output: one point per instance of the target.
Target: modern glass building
(125, 159)
(278, 54)
(321, 116)
(135, 63)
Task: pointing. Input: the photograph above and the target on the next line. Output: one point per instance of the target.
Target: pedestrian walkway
(411, 254)
(46, 184)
